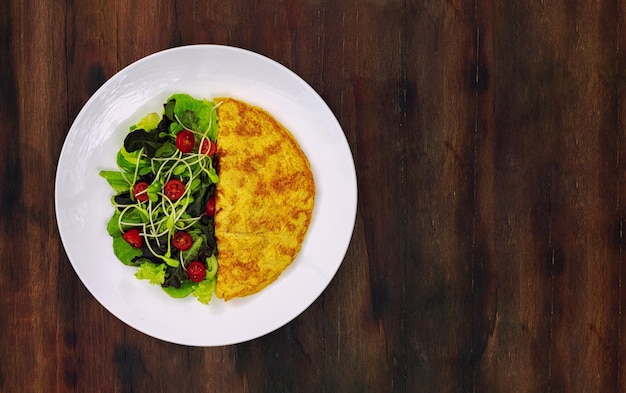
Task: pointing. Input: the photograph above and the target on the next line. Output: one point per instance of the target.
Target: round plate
(83, 198)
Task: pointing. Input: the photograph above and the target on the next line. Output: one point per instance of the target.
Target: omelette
(264, 200)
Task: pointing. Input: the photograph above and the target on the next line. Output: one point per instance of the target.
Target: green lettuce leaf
(129, 161)
(199, 239)
(175, 127)
(124, 251)
(112, 228)
(149, 122)
(212, 172)
(116, 180)
(186, 288)
(134, 215)
(153, 272)
(204, 291)
(197, 115)
(211, 270)
(168, 149)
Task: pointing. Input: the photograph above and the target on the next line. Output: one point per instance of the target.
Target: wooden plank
(444, 278)
(91, 53)
(32, 112)
(620, 223)
(364, 310)
(549, 122)
(586, 329)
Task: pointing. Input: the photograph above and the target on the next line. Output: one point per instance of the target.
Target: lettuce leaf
(112, 227)
(149, 141)
(199, 239)
(124, 251)
(204, 290)
(166, 150)
(197, 115)
(148, 122)
(211, 270)
(186, 288)
(153, 272)
(127, 162)
(116, 180)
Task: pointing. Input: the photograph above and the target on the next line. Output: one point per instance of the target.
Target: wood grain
(552, 125)
(487, 254)
(439, 133)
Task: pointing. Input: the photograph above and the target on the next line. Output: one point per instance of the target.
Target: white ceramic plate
(83, 198)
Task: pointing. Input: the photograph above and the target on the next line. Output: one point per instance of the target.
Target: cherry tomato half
(140, 191)
(196, 271)
(174, 189)
(207, 147)
(210, 206)
(185, 141)
(133, 237)
(182, 240)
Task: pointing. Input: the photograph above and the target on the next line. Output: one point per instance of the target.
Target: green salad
(164, 203)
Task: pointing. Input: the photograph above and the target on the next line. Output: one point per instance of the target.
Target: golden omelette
(264, 200)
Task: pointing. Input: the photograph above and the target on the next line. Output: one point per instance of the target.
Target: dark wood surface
(488, 250)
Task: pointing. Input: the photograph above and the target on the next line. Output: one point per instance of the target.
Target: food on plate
(263, 202)
(175, 218)
(164, 186)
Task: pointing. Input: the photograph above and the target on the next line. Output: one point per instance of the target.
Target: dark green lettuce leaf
(150, 141)
(184, 290)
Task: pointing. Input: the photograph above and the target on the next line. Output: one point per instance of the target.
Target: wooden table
(489, 144)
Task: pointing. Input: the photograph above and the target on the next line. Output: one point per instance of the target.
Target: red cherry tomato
(174, 189)
(210, 206)
(208, 147)
(133, 237)
(182, 240)
(185, 141)
(140, 191)
(196, 271)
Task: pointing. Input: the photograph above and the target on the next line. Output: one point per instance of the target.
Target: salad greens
(164, 198)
